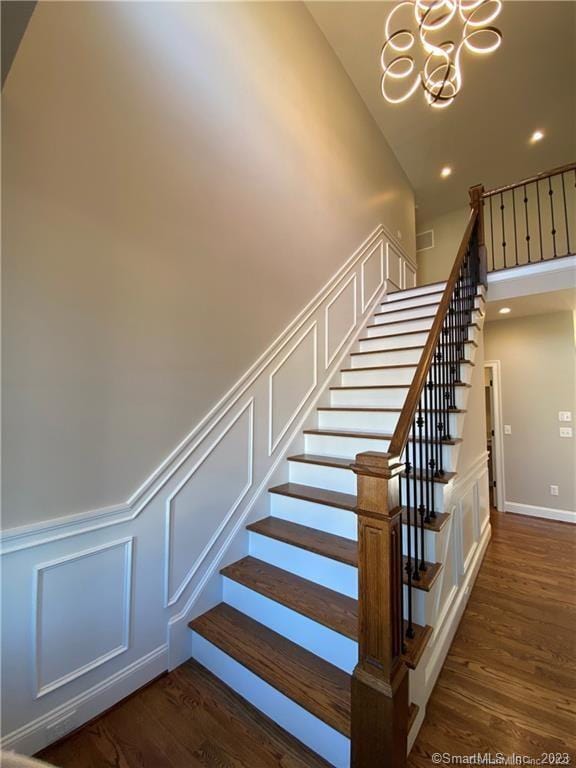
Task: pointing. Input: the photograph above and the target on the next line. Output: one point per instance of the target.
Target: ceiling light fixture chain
(420, 24)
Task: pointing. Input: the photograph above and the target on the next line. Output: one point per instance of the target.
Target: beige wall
(179, 180)
(537, 356)
(435, 264)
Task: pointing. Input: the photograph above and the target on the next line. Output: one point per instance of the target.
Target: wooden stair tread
(393, 386)
(346, 501)
(331, 609)
(361, 409)
(421, 317)
(390, 300)
(325, 606)
(319, 687)
(404, 349)
(328, 545)
(407, 309)
(464, 361)
(370, 435)
(444, 479)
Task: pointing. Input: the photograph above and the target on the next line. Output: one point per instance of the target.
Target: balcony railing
(531, 221)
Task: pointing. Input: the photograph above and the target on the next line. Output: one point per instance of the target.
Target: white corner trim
(39, 569)
(171, 599)
(547, 513)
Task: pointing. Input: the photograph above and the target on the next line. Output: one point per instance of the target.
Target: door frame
(498, 459)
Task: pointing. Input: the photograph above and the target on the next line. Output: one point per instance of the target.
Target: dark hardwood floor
(508, 684)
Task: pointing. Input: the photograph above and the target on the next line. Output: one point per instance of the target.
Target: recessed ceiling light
(536, 136)
(505, 311)
(446, 171)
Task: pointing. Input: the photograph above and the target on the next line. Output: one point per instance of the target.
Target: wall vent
(425, 240)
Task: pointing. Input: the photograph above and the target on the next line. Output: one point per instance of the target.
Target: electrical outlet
(565, 431)
(553, 490)
(59, 728)
(507, 429)
(564, 415)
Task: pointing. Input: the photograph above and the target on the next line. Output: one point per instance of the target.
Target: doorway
(494, 441)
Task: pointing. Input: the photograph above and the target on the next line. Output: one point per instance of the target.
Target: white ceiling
(536, 304)
(528, 84)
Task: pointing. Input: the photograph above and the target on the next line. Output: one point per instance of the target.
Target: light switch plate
(507, 429)
(554, 490)
(564, 415)
(565, 431)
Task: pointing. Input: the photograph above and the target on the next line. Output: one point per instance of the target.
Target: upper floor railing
(531, 221)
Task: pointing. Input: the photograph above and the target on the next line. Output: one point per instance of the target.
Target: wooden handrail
(402, 431)
(530, 180)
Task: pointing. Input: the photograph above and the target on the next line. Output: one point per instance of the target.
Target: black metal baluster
(515, 227)
(410, 628)
(551, 196)
(492, 234)
(539, 220)
(503, 231)
(527, 225)
(414, 525)
(422, 472)
(565, 215)
(438, 406)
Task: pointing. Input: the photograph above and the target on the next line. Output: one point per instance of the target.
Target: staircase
(286, 634)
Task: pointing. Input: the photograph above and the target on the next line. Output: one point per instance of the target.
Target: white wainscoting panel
(291, 383)
(98, 603)
(393, 265)
(340, 319)
(201, 504)
(409, 275)
(72, 594)
(372, 275)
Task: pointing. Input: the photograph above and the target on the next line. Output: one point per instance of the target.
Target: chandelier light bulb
(412, 29)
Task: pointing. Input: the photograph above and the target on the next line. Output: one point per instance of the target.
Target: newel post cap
(376, 464)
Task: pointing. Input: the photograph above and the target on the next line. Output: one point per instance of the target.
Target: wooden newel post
(476, 201)
(379, 728)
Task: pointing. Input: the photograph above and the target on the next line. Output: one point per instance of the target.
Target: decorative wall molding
(171, 598)
(275, 439)
(42, 688)
(330, 357)
(379, 250)
(167, 587)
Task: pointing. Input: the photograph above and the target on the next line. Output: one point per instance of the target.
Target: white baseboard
(563, 515)
(59, 721)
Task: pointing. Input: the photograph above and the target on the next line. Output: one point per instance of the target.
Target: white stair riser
(372, 421)
(404, 340)
(379, 377)
(348, 447)
(339, 522)
(416, 303)
(405, 302)
(323, 739)
(314, 637)
(397, 357)
(322, 570)
(391, 376)
(382, 398)
(385, 328)
(405, 314)
(420, 290)
(318, 476)
(437, 500)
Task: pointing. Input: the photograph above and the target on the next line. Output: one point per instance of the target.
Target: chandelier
(417, 54)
